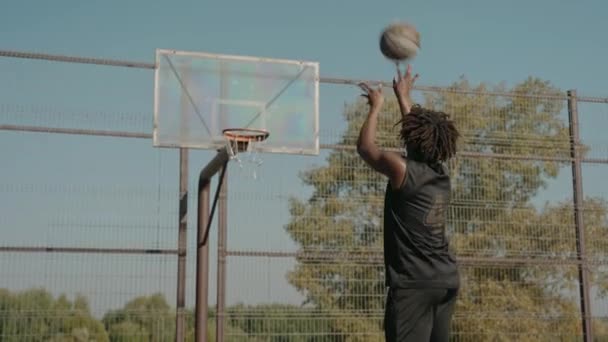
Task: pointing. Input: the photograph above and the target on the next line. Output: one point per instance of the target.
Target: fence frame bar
(579, 226)
(182, 243)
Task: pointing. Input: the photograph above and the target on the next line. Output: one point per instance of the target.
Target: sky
(486, 41)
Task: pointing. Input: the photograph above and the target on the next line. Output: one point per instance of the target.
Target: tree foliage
(150, 318)
(146, 318)
(37, 315)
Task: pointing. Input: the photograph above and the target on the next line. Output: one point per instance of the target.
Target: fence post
(180, 318)
(577, 184)
(221, 260)
(201, 312)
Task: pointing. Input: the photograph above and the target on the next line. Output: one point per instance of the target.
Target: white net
(244, 147)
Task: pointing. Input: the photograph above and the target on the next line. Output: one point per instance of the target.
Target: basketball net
(243, 145)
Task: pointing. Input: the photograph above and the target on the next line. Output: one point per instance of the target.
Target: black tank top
(416, 249)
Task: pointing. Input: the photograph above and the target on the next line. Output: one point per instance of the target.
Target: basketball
(400, 41)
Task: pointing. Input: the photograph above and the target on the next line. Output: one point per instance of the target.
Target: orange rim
(245, 134)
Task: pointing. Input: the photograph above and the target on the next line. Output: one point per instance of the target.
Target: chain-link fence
(92, 246)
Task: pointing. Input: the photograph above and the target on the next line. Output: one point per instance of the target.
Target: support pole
(180, 319)
(202, 246)
(221, 261)
(577, 178)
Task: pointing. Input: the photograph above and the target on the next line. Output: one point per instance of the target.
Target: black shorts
(419, 314)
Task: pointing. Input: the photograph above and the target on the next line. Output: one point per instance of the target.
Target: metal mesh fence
(90, 213)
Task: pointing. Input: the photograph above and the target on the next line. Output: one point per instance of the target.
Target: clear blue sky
(487, 41)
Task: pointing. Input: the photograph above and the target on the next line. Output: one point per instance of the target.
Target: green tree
(339, 231)
(150, 319)
(34, 314)
(145, 318)
(127, 331)
(276, 323)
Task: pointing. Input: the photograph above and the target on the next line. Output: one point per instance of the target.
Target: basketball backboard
(197, 95)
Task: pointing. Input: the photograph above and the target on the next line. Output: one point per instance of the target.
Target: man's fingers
(415, 78)
(365, 87)
(399, 71)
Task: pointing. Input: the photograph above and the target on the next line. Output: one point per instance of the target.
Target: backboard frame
(214, 145)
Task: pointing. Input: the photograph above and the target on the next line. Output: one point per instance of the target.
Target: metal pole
(180, 319)
(221, 221)
(202, 264)
(577, 176)
(221, 261)
(34, 129)
(326, 80)
(73, 59)
(52, 249)
(202, 246)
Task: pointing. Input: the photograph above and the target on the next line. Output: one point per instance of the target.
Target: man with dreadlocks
(421, 273)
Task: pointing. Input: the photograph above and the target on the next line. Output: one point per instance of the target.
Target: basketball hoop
(245, 134)
(245, 139)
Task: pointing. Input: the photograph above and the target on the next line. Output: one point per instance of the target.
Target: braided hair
(429, 136)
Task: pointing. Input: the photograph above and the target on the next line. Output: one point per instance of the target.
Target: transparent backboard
(198, 95)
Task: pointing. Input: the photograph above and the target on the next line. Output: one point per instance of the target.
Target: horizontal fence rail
(26, 249)
(328, 80)
(119, 134)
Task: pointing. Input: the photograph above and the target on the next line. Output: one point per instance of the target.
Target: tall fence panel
(88, 209)
(94, 221)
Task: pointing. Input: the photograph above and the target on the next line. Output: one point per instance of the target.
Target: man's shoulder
(437, 168)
